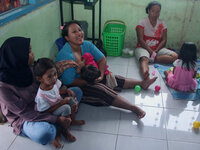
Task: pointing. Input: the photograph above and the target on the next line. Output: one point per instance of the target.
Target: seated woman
(152, 38)
(74, 48)
(18, 90)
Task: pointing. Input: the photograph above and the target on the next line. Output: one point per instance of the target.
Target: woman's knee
(47, 134)
(78, 92)
(144, 59)
(174, 56)
(40, 132)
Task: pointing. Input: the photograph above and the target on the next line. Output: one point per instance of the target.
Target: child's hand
(71, 93)
(66, 100)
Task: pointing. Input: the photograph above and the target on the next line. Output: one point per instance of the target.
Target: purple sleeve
(22, 108)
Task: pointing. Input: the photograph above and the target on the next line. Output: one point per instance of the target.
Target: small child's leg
(73, 111)
(56, 142)
(69, 137)
(166, 73)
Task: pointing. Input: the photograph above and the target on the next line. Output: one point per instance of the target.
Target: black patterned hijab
(14, 68)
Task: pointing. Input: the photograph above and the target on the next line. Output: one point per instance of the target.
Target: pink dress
(182, 79)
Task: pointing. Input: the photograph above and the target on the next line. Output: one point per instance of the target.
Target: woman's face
(31, 57)
(154, 12)
(75, 34)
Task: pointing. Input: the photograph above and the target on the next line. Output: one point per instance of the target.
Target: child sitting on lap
(182, 77)
(48, 98)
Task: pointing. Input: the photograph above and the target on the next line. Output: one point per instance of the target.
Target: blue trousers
(44, 132)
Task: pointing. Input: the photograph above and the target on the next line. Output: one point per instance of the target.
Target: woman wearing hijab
(18, 90)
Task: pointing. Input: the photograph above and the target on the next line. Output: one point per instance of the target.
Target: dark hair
(188, 54)
(42, 65)
(65, 29)
(151, 4)
(90, 73)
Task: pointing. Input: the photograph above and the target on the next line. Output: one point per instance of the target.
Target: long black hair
(151, 4)
(188, 54)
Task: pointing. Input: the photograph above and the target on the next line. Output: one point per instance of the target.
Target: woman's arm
(78, 82)
(140, 36)
(102, 65)
(163, 42)
(21, 108)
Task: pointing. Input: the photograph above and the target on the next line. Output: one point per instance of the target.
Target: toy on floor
(155, 66)
(137, 88)
(157, 88)
(171, 69)
(154, 72)
(196, 124)
(198, 75)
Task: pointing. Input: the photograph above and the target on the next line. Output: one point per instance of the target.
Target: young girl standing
(48, 98)
(182, 77)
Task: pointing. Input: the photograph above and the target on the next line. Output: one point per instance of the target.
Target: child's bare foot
(146, 83)
(69, 137)
(166, 73)
(64, 122)
(56, 142)
(78, 122)
(139, 112)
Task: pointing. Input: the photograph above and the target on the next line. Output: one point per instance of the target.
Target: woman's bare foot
(69, 137)
(146, 83)
(78, 122)
(56, 142)
(139, 112)
(146, 75)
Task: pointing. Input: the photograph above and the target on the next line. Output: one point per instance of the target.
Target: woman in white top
(152, 38)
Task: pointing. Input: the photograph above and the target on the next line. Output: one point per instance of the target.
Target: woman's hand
(64, 64)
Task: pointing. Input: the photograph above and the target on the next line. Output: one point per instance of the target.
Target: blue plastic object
(155, 66)
(60, 42)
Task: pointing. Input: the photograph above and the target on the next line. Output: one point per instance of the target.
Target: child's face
(50, 77)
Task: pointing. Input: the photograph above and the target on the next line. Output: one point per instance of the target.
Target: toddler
(182, 77)
(48, 98)
(90, 73)
(88, 59)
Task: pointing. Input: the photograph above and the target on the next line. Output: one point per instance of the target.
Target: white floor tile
(6, 136)
(91, 141)
(131, 143)
(120, 61)
(118, 70)
(173, 145)
(151, 126)
(179, 125)
(98, 119)
(24, 143)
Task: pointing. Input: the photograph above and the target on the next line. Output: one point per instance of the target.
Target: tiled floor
(167, 125)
